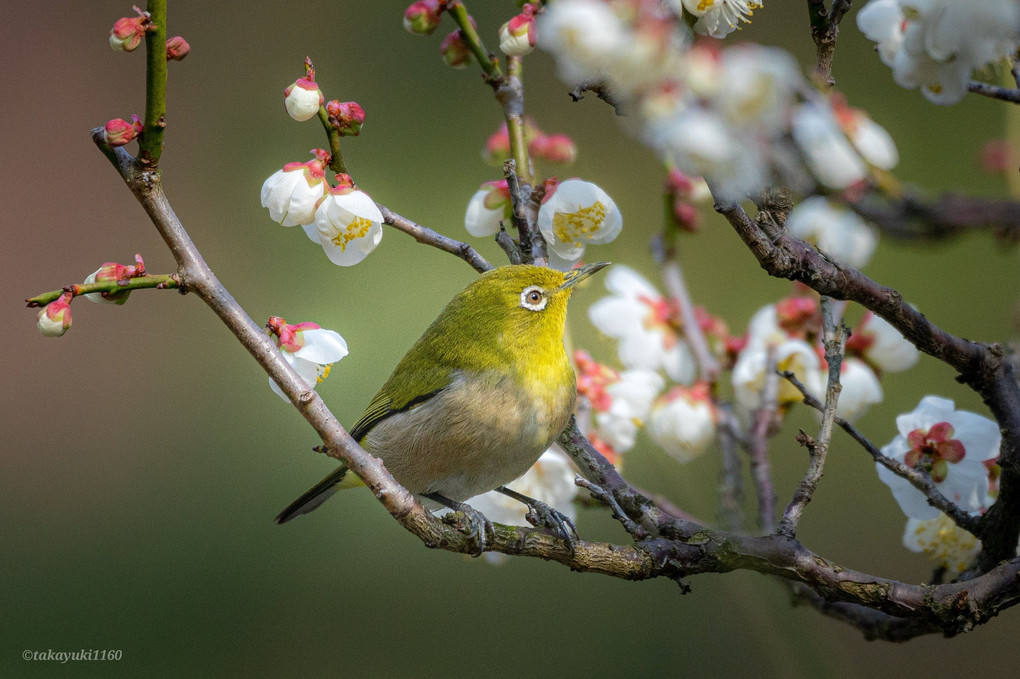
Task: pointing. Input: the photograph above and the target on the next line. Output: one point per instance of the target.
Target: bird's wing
(403, 391)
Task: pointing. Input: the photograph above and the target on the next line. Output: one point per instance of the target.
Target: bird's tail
(319, 493)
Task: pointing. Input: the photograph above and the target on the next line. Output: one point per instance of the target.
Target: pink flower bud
(997, 157)
(422, 18)
(177, 48)
(112, 271)
(303, 98)
(685, 216)
(497, 147)
(517, 37)
(556, 148)
(454, 50)
(55, 318)
(127, 33)
(346, 117)
(119, 131)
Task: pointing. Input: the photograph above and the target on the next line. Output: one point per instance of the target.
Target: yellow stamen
(569, 227)
(323, 372)
(358, 228)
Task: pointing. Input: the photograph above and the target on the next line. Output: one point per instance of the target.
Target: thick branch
(914, 217)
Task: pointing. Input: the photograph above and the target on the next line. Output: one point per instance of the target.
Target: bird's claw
(542, 515)
(474, 525)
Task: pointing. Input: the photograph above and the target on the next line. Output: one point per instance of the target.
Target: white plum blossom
(585, 35)
(882, 345)
(794, 355)
(860, 389)
(645, 323)
(757, 86)
(309, 349)
(549, 480)
(951, 446)
(936, 45)
(718, 18)
(700, 143)
(943, 541)
(575, 213)
(627, 404)
(874, 144)
(303, 99)
(838, 232)
(683, 422)
(348, 224)
(292, 194)
(487, 208)
(825, 149)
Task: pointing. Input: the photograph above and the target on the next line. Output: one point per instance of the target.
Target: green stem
(488, 62)
(151, 142)
(337, 164)
(515, 120)
(160, 281)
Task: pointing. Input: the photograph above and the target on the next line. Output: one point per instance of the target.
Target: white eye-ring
(533, 298)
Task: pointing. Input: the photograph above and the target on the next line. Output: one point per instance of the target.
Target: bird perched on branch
(478, 398)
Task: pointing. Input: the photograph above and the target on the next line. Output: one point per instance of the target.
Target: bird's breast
(483, 431)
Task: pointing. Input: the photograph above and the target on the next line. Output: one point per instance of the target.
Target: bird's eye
(533, 298)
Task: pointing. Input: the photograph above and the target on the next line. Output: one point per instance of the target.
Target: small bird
(478, 398)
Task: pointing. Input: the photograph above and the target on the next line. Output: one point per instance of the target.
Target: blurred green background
(144, 455)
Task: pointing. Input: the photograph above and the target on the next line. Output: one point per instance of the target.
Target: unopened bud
(347, 117)
(177, 48)
(497, 146)
(303, 99)
(112, 271)
(127, 32)
(422, 18)
(454, 50)
(119, 132)
(517, 37)
(556, 148)
(55, 318)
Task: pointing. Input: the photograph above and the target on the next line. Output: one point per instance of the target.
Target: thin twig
(731, 485)
(917, 478)
(148, 281)
(824, 31)
(602, 495)
(834, 334)
(601, 90)
(673, 279)
(504, 241)
(427, 236)
(994, 92)
(532, 244)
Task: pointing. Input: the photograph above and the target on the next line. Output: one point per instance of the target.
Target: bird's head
(521, 304)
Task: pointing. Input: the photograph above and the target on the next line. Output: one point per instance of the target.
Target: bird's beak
(575, 276)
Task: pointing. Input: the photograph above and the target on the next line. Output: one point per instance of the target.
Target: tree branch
(427, 236)
(834, 338)
(911, 216)
(824, 31)
(994, 92)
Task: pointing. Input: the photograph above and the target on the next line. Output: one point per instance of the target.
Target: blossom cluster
(739, 116)
(339, 217)
(936, 45)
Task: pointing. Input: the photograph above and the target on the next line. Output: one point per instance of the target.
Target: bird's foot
(473, 524)
(542, 515)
